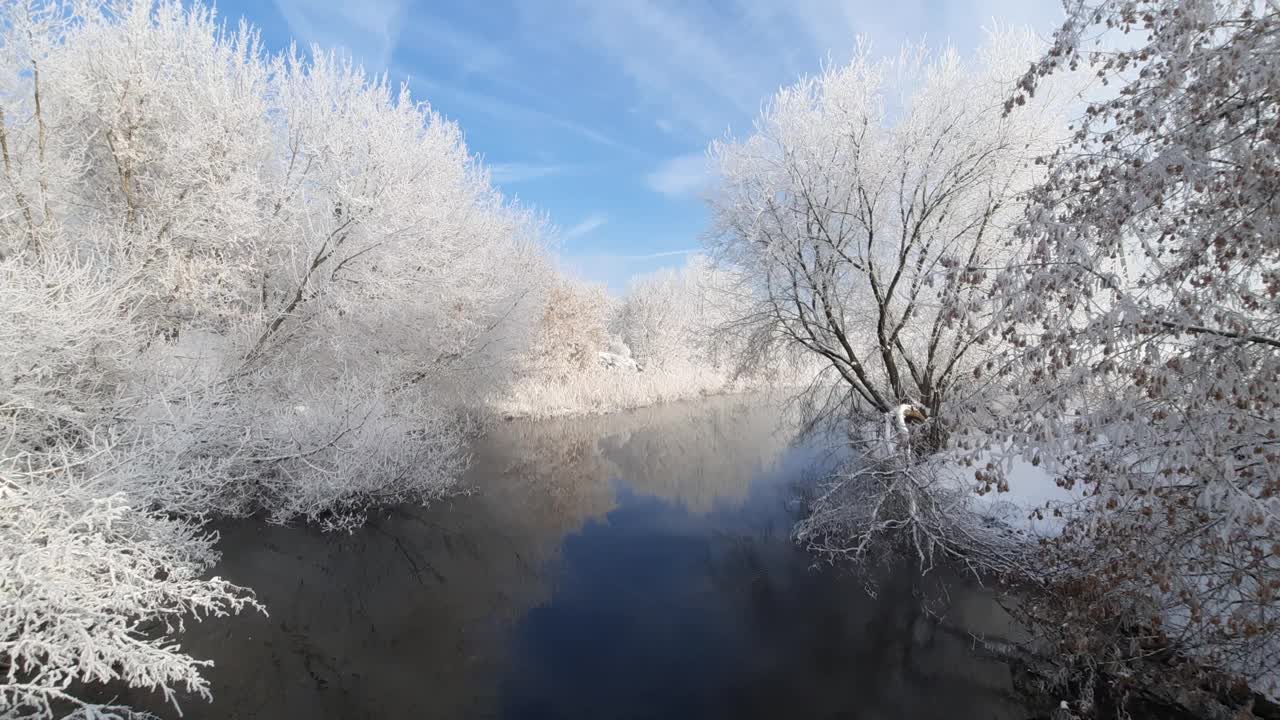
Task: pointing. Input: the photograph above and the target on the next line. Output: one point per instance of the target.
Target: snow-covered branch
(1149, 309)
(92, 589)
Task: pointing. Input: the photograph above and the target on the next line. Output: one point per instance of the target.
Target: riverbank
(603, 390)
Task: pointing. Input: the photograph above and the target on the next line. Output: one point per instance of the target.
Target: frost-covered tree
(573, 330)
(868, 218)
(678, 317)
(229, 283)
(654, 318)
(1150, 314)
(316, 269)
(867, 211)
(93, 583)
(669, 337)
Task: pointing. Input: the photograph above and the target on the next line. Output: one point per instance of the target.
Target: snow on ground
(605, 389)
(617, 361)
(1031, 488)
(1032, 502)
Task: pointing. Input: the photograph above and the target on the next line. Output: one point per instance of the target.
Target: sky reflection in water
(631, 566)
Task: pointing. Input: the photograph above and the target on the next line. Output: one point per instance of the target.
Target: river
(636, 565)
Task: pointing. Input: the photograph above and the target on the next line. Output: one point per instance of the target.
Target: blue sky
(599, 112)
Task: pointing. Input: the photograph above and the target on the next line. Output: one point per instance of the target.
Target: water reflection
(695, 454)
(636, 565)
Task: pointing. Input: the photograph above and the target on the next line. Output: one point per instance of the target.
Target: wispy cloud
(589, 224)
(368, 30)
(703, 68)
(617, 271)
(517, 172)
(673, 59)
(681, 175)
(497, 107)
(465, 50)
(651, 256)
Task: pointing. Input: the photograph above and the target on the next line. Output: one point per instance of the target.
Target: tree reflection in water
(632, 565)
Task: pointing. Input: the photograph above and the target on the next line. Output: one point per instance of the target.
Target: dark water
(630, 566)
